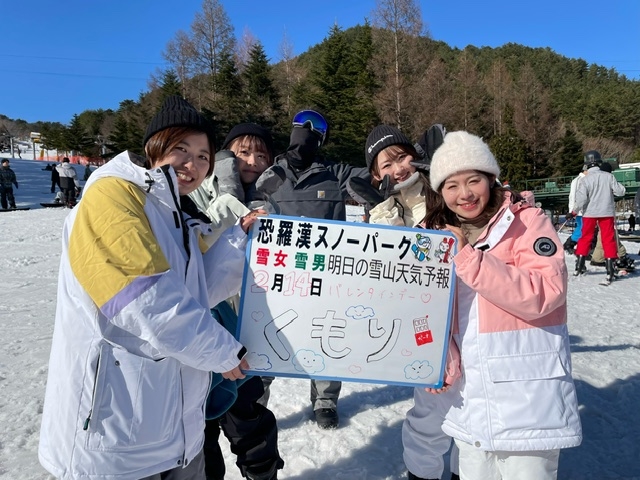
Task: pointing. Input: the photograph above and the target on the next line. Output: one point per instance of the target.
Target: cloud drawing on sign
(358, 312)
(259, 361)
(417, 370)
(308, 361)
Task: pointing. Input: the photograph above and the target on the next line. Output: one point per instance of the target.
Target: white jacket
(572, 193)
(65, 170)
(404, 208)
(595, 194)
(134, 340)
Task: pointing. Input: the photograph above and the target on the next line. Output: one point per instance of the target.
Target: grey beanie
(380, 138)
(461, 151)
(177, 112)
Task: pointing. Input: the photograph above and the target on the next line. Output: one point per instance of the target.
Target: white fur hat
(461, 151)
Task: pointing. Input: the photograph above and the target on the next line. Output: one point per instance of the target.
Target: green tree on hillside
(170, 85)
(262, 104)
(514, 158)
(77, 139)
(339, 86)
(567, 155)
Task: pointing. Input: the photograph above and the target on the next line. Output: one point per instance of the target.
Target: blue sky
(61, 58)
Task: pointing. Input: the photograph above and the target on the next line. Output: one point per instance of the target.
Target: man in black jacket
(7, 180)
(303, 184)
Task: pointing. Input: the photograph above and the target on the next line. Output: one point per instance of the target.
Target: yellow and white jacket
(134, 340)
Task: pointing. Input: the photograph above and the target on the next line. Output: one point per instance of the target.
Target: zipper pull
(86, 422)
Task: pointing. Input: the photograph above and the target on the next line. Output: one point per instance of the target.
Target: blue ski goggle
(316, 122)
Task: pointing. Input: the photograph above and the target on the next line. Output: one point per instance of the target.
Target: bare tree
(431, 97)
(212, 34)
(180, 53)
(532, 115)
(470, 93)
(499, 85)
(286, 52)
(244, 49)
(399, 23)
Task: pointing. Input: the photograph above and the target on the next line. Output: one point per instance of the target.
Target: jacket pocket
(527, 392)
(136, 401)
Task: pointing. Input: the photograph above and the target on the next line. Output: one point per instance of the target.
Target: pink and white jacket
(517, 393)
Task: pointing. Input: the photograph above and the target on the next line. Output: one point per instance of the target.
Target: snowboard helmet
(592, 159)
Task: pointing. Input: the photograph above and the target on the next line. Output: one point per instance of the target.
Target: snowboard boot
(580, 268)
(625, 264)
(569, 246)
(611, 269)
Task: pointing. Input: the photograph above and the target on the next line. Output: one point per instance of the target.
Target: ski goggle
(317, 122)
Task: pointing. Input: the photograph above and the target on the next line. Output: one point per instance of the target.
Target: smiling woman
(510, 323)
(140, 341)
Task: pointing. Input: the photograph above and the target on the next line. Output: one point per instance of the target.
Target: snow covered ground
(605, 337)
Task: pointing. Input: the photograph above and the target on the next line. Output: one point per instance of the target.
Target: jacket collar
(500, 223)
(126, 165)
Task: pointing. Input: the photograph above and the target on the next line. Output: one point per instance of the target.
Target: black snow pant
(6, 197)
(69, 196)
(252, 433)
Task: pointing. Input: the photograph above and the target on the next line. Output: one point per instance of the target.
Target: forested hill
(538, 110)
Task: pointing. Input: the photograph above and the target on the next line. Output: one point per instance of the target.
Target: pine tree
(513, 157)
(170, 85)
(261, 97)
(126, 134)
(228, 105)
(340, 86)
(76, 138)
(567, 156)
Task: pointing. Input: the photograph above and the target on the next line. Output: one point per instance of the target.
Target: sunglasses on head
(316, 122)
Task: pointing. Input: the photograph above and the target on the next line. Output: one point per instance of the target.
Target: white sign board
(347, 301)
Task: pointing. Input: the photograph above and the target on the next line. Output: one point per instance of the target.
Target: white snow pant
(476, 464)
(423, 440)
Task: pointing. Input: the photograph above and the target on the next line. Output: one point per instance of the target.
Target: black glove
(570, 215)
(366, 194)
(431, 139)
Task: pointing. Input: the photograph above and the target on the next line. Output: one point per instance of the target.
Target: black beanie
(249, 129)
(380, 138)
(606, 167)
(177, 112)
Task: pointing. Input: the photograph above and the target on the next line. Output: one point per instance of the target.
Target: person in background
(55, 178)
(516, 405)
(248, 424)
(624, 263)
(134, 341)
(302, 183)
(69, 183)
(571, 242)
(7, 181)
(87, 171)
(400, 194)
(595, 198)
(632, 222)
